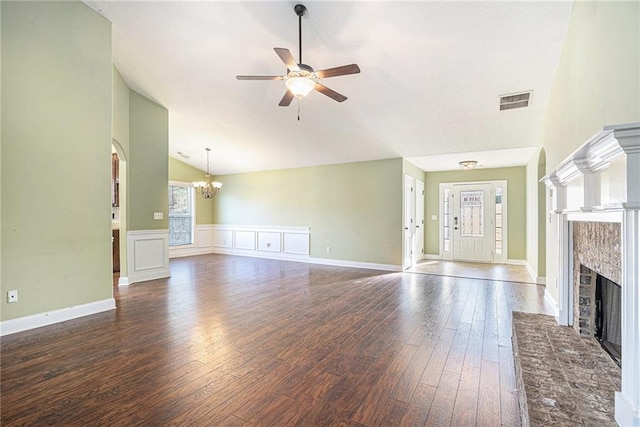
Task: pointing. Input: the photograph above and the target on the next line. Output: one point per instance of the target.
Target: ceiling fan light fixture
(300, 86)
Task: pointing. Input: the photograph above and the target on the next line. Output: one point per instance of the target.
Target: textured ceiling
(432, 73)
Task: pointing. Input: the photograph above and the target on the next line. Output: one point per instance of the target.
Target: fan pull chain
(298, 109)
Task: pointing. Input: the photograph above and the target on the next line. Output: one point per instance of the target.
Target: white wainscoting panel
(277, 242)
(223, 238)
(245, 240)
(204, 240)
(148, 255)
(269, 241)
(204, 237)
(296, 243)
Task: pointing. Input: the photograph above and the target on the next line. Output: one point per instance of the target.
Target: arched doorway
(542, 215)
(119, 212)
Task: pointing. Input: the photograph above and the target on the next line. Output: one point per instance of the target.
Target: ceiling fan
(301, 79)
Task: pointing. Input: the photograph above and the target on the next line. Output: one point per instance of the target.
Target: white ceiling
(432, 73)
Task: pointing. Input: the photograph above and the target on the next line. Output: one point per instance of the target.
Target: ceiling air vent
(516, 100)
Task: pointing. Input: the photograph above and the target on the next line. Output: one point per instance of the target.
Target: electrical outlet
(328, 249)
(158, 215)
(12, 296)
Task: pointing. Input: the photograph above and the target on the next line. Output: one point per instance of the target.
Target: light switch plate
(158, 215)
(434, 217)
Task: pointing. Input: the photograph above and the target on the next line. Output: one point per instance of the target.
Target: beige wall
(516, 205)
(56, 156)
(597, 84)
(355, 208)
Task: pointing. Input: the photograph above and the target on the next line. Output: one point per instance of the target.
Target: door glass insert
(471, 213)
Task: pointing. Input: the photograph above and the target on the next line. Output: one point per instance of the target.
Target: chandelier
(206, 188)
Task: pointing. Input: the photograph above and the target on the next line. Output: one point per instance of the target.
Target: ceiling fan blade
(330, 93)
(287, 58)
(259, 77)
(286, 99)
(338, 71)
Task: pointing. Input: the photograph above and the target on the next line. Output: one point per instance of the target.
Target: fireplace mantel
(600, 181)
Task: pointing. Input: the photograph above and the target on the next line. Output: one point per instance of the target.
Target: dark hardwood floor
(242, 341)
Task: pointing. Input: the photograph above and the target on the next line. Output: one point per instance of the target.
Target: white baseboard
(539, 280)
(190, 251)
(354, 264)
(267, 255)
(309, 260)
(33, 321)
(552, 302)
(143, 276)
(123, 281)
(532, 273)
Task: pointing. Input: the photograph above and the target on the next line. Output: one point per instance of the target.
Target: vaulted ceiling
(432, 74)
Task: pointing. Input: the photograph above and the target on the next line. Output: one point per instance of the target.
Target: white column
(627, 411)
(565, 272)
(565, 263)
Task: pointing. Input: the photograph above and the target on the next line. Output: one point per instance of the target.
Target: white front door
(473, 229)
(407, 255)
(418, 249)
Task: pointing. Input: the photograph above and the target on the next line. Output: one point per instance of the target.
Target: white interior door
(473, 230)
(418, 249)
(409, 212)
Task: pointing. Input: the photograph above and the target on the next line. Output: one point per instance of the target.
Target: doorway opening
(119, 213)
(413, 222)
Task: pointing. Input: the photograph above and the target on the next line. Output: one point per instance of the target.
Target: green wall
(355, 208)
(598, 78)
(597, 84)
(120, 125)
(180, 171)
(56, 151)
(148, 165)
(516, 204)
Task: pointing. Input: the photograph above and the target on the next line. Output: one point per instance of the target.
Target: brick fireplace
(596, 250)
(595, 209)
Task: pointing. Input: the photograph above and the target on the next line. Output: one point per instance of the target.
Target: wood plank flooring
(235, 341)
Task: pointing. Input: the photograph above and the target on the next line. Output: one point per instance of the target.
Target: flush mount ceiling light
(206, 188)
(301, 79)
(468, 164)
